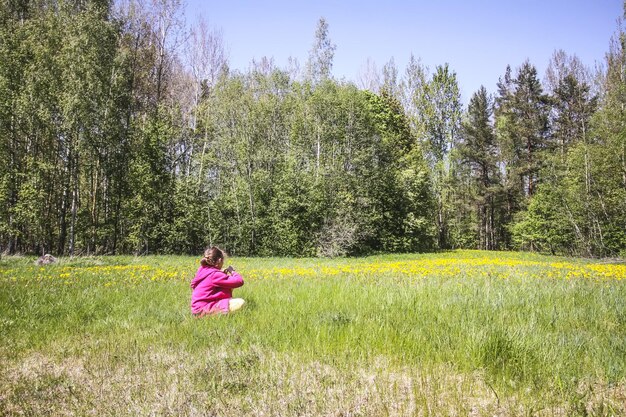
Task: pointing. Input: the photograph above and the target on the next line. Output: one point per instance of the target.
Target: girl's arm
(234, 280)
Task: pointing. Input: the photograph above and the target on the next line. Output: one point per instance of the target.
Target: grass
(456, 333)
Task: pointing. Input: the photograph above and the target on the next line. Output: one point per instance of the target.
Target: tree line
(124, 131)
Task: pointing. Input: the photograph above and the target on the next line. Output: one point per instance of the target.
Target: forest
(123, 130)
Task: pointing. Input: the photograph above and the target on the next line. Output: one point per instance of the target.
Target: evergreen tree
(116, 139)
(523, 132)
(479, 151)
(573, 108)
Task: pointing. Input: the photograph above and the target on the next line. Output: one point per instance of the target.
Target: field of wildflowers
(452, 333)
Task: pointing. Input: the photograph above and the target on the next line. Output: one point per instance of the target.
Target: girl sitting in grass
(213, 288)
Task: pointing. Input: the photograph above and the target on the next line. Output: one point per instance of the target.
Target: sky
(478, 39)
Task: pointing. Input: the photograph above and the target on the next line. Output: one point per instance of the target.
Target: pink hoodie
(212, 289)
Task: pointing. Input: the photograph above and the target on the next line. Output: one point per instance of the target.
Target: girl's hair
(212, 256)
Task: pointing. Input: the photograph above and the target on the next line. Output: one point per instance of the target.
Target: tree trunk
(318, 153)
(94, 213)
(73, 161)
(442, 228)
(116, 221)
(623, 162)
(202, 158)
(492, 239)
(64, 201)
(74, 210)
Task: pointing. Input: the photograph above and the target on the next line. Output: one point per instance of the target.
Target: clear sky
(477, 38)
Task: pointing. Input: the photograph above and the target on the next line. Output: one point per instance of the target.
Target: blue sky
(477, 38)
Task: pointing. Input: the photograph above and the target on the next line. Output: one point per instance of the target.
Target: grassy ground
(456, 333)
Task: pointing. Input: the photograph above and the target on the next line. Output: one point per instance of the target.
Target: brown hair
(212, 256)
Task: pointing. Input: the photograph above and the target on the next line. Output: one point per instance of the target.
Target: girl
(212, 287)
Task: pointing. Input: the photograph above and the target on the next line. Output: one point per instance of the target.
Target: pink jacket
(212, 289)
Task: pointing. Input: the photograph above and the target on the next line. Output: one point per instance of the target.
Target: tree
(573, 108)
(554, 219)
(116, 139)
(522, 130)
(544, 226)
(404, 188)
(605, 158)
(444, 116)
(479, 151)
(390, 79)
(562, 65)
(321, 56)
(369, 77)
(441, 127)
(527, 134)
(65, 105)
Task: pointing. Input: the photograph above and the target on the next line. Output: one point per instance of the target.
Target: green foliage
(321, 55)
(544, 226)
(444, 117)
(318, 171)
(111, 143)
(523, 138)
(405, 193)
(293, 216)
(579, 208)
(478, 162)
(150, 207)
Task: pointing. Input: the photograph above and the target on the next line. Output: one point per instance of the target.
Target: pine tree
(573, 108)
(479, 151)
(522, 130)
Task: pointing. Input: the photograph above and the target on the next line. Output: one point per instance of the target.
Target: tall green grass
(81, 339)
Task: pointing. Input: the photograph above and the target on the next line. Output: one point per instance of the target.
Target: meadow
(464, 333)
